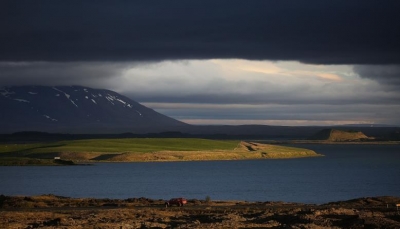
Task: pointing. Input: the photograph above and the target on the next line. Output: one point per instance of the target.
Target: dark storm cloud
(92, 74)
(313, 31)
(388, 75)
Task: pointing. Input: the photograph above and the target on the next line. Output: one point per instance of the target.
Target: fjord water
(345, 172)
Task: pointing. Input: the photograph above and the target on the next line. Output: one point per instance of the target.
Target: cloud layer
(312, 31)
(388, 75)
(93, 74)
(219, 62)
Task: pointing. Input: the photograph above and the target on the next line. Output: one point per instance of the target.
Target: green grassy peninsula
(144, 150)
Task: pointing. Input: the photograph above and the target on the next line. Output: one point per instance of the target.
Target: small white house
(57, 158)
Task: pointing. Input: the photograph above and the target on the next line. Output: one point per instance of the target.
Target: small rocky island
(334, 135)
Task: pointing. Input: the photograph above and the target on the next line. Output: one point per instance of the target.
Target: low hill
(335, 135)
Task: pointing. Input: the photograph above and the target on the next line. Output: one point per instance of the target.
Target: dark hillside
(76, 109)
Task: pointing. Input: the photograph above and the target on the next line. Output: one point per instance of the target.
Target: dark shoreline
(48, 211)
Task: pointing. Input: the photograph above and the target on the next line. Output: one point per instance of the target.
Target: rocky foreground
(49, 211)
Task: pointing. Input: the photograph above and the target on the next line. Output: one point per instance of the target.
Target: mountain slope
(76, 109)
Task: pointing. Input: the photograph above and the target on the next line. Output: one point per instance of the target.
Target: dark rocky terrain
(49, 211)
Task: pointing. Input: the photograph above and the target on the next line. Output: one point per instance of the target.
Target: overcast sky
(314, 62)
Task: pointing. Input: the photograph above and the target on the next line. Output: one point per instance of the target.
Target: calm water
(346, 172)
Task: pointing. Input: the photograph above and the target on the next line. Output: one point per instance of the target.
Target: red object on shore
(176, 201)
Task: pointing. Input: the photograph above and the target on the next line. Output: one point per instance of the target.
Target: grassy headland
(148, 149)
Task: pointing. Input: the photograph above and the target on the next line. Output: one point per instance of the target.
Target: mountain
(76, 109)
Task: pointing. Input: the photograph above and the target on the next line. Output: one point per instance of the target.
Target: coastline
(48, 211)
(323, 142)
(42, 154)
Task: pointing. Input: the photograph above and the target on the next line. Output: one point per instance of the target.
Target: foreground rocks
(49, 211)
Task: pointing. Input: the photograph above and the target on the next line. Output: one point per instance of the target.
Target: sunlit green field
(144, 149)
(122, 145)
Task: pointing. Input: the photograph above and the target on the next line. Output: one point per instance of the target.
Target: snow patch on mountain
(73, 103)
(66, 95)
(94, 101)
(110, 99)
(115, 98)
(22, 100)
(5, 92)
(121, 101)
(32, 93)
(48, 117)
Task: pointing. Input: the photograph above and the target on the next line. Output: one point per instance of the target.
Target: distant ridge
(335, 135)
(76, 112)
